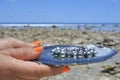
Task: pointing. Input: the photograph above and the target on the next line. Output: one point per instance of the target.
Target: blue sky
(79, 11)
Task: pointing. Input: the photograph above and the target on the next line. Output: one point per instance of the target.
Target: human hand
(15, 64)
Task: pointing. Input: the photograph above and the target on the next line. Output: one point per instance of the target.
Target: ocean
(81, 26)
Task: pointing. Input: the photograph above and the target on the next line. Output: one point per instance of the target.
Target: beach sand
(53, 36)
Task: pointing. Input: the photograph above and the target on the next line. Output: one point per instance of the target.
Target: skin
(15, 64)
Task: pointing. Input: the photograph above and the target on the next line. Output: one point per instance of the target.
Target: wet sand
(107, 70)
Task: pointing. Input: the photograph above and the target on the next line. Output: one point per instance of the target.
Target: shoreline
(80, 26)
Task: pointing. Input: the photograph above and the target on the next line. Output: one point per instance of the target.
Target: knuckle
(23, 52)
(10, 39)
(37, 73)
(8, 42)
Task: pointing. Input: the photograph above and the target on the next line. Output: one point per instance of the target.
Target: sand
(75, 37)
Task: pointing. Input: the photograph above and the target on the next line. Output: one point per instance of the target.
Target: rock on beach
(73, 37)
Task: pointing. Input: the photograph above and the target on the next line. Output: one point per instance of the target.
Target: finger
(26, 53)
(14, 43)
(33, 70)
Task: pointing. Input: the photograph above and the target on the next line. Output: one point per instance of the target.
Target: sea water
(79, 26)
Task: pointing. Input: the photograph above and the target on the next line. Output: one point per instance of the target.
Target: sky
(60, 11)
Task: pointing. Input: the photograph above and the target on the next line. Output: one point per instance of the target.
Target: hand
(15, 64)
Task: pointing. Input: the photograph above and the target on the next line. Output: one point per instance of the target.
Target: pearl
(72, 52)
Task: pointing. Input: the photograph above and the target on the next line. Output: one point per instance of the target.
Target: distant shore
(80, 26)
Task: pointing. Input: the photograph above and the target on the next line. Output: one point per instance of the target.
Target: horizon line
(59, 22)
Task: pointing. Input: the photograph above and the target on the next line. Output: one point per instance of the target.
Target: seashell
(62, 55)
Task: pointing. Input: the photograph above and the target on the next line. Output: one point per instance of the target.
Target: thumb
(25, 53)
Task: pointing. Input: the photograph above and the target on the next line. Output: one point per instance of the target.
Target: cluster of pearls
(72, 52)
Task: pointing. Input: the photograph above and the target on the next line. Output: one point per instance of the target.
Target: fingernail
(38, 49)
(37, 42)
(66, 69)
